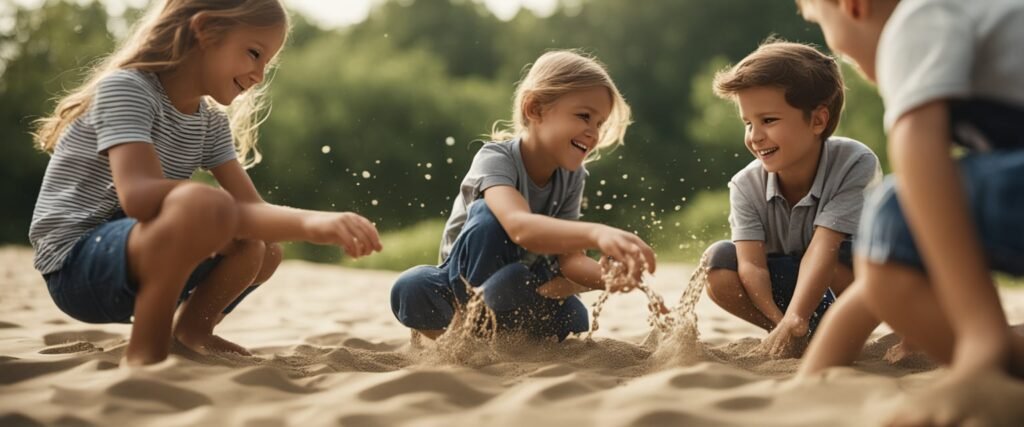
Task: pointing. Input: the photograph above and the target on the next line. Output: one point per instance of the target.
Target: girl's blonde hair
(159, 42)
(555, 74)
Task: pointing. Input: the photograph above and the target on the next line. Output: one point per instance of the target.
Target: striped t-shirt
(78, 190)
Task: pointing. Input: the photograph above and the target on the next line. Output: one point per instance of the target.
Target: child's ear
(856, 9)
(199, 26)
(532, 109)
(819, 119)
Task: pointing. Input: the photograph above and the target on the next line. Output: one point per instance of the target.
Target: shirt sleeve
(842, 212)
(743, 218)
(220, 146)
(491, 167)
(122, 112)
(925, 54)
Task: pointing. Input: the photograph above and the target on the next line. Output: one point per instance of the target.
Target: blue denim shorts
(783, 271)
(994, 183)
(94, 284)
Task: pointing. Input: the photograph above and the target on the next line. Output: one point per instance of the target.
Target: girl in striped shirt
(121, 234)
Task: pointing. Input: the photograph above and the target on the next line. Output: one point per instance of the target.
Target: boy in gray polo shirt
(794, 208)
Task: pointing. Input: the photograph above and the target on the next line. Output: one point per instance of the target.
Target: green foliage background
(384, 95)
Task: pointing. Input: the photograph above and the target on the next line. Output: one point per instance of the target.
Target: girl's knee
(199, 216)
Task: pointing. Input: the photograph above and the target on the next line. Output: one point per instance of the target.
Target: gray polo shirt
(501, 163)
(758, 210)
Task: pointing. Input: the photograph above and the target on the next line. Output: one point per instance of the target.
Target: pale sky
(335, 13)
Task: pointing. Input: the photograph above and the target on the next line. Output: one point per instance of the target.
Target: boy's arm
(259, 220)
(935, 204)
(752, 267)
(817, 269)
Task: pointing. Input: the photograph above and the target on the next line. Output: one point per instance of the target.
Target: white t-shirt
(950, 49)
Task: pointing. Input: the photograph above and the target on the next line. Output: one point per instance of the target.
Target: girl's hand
(353, 233)
(626, 248)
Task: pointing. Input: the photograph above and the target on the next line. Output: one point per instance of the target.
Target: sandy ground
(328, 352)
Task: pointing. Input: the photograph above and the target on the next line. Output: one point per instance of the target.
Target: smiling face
(777, 133)
(569, 128)
(238, 61)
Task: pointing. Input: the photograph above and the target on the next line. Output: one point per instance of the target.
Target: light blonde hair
(160, 42)
(555, 74)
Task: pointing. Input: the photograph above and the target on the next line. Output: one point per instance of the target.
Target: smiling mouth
(239, 86)
(767, 151)
(579, 146)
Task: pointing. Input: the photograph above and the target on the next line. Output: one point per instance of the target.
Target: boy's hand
(353, 233)
(787, 340)
(626, 248)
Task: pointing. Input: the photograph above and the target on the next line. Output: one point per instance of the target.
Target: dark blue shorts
(425, 297)
(783, 270)
(94, 284)
(994, 183)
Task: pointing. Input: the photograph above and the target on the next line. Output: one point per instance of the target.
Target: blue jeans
(425, 297)
(994, 184)
(94, 285)
(783, 271)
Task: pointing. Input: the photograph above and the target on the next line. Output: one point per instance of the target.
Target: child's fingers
(363, 237)
(373, 238)
(348, 240)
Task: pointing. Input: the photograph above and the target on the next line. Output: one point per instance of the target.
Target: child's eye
(768, 120)
(584, 116)
(255, 54)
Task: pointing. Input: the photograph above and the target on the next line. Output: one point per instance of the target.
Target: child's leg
(843, 331)
(902, 297)
(512, 294)
(724, 286)
(486, 257)
(422, 299)
(194, 221)
(241, 262)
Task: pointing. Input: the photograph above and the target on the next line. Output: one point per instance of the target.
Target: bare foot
(207, 344)
(989, 398)
(900, 352)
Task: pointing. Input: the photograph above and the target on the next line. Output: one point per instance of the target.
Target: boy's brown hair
(809, 78)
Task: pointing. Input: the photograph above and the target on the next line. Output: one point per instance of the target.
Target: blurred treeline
(381, 117)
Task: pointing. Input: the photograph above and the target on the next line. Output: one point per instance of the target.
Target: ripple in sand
(743, 403)
(272, 378)
(179, 398)
(447, 384)
(69, 348)
(704, 378)
(93, 336)
(19, 420)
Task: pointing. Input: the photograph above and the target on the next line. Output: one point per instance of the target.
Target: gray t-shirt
(501, 163)
(946, 49)
(78, 190)
(758, 210)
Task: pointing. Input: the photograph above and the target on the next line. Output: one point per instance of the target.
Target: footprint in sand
(176, 397)
(92, 336)
(69, 348)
